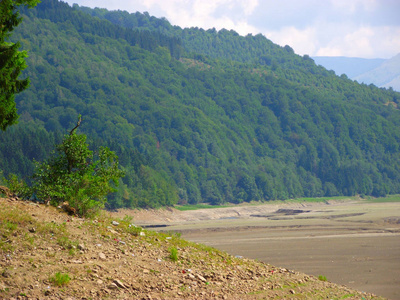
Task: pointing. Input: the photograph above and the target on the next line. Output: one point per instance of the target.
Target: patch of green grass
(10, 226)
(389, 198)
(199, 206)
(14, 216)
(173, 234)
(257, 293)
(12, 221)
(66, 243)
(173, 254)
(60, 279)
(29, 239)
(348, 296)
(321, 199)
(72, 251)
(52, 228)
(134, 230)
(60, 234)
(127, 219)
(322, 278)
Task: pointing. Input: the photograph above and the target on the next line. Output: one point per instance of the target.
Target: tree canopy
(241, 119)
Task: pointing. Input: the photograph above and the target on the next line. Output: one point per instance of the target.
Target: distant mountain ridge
(351, 66)
(380, 72)
(385, 75)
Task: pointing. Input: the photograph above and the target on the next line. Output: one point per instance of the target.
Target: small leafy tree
(75, 175)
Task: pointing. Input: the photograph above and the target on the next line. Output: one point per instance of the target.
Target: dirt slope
(112, 259)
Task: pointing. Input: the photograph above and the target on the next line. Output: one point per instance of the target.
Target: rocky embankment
(47, 254)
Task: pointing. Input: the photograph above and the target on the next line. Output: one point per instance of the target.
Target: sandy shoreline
(172, 216)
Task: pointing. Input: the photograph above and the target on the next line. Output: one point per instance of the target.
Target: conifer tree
(12, 61)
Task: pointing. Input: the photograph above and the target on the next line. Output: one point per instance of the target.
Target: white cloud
(352, 6)
(364, 42)
(249, 6)
(230, 14)
(344, 36)
(301, 40)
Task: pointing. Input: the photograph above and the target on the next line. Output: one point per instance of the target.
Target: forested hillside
(198, 116)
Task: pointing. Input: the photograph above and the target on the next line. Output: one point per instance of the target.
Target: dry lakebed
(355, 243)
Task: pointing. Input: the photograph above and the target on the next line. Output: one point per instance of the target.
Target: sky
(352, 28)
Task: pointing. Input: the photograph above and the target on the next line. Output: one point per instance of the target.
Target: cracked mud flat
(355, 243)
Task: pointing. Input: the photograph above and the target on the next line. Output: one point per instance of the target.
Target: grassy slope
(41, 248)
(390, 198)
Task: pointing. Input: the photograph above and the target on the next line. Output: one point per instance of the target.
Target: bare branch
(77, 125)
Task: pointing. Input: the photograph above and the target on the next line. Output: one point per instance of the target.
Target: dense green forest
(198, 115)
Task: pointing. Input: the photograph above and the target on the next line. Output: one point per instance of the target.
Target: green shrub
(17, 187)
(74, 175)
(322, 278)
(134, 230)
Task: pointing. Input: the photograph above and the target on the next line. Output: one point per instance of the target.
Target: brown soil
(112, 261)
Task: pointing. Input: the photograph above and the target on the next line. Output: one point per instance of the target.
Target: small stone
(142, 233)
(119, 284)
(112, 286)
(81, 247)
(6, 274)
(201, 278)
(76, 262)
(102, 256)
(99, 281)
(32, 229)
(292, 292)
(115, 223)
